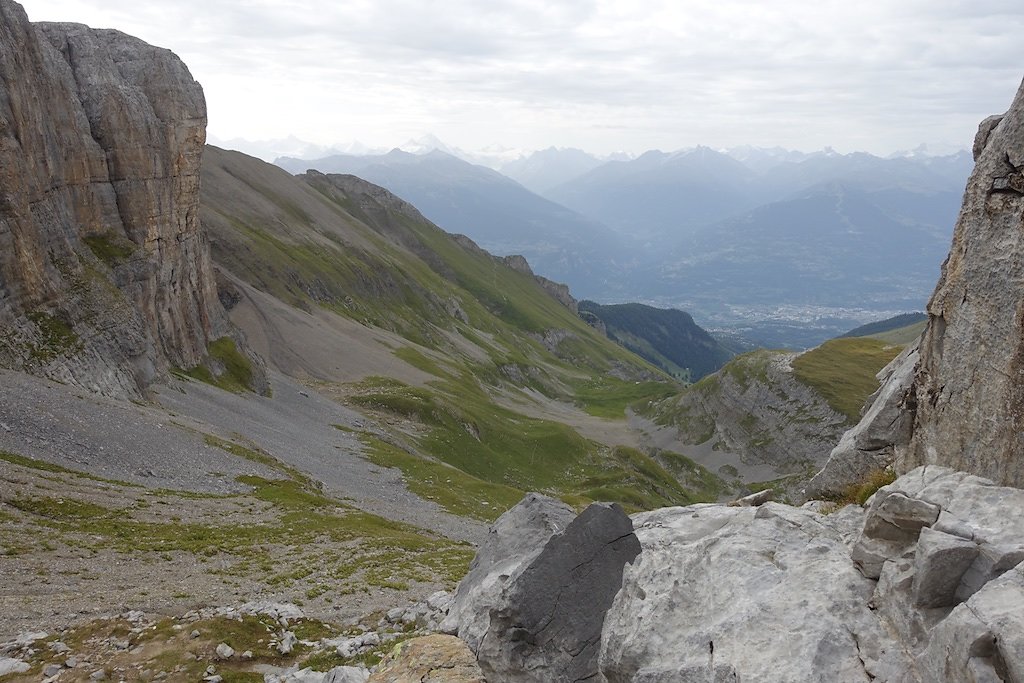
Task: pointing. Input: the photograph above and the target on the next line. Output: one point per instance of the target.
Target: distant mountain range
(792, 247)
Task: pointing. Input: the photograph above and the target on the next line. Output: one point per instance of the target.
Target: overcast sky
(872, 75)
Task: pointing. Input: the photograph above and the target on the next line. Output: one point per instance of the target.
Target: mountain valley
(346, 420)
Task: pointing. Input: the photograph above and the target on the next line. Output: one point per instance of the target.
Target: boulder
(514, 540)
(429, 659)
(542, 620)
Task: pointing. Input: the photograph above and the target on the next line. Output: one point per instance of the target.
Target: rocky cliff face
(969, 385)
(105, 277)
(959, 402)
(755, 407)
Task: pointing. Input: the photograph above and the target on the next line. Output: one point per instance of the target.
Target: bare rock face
(105, 276)
(970, 385)
(959, 402)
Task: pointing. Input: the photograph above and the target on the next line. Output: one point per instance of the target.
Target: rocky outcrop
(750, 594)
(964, 406)
(969, 388)
(558, 291)
(538, 616)
(105, 276)
(871, 444)
(924, 584)
(756, 408)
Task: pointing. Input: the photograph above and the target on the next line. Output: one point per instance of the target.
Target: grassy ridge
(843, 371)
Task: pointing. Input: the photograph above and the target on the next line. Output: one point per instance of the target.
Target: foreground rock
(750, 594)
(924, 584)
(538, 615)
(105, 274)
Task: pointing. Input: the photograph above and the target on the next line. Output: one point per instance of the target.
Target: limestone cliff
(960, 402)
(105, 276)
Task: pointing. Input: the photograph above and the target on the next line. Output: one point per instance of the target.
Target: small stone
(288, 641)
(194, 634)
(247, 654)
(71, 662)
(59, 647)
(98, 675)
(225, 651)
(211, 669)
(52, 670)
(395, 615)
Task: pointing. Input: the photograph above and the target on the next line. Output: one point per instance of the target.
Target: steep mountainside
(105, 278)
(957, 401)
(666, 337)
(496, 212)
(477, 353)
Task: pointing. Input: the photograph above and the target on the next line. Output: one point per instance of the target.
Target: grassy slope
(476, 325)
(843, 371)
(902, 335)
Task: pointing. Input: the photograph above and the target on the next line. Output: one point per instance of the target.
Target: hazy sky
(874, 75)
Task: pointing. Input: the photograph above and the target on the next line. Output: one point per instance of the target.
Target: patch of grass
(56, 338)
(501, 453)
(303, 517)
(451, 488)
(858, 494)
(750, 368)
(609, 396)
(227, 368)
(416, 359)
(109, 247)
(256, 455)
(843, 371)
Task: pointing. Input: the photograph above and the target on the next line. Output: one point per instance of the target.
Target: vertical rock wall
(105, 275)
(970, 382)
(959, 400)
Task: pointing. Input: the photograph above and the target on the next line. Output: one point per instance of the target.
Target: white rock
(9, 665)
(347, 674)
(225, 651)
(762, 594)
